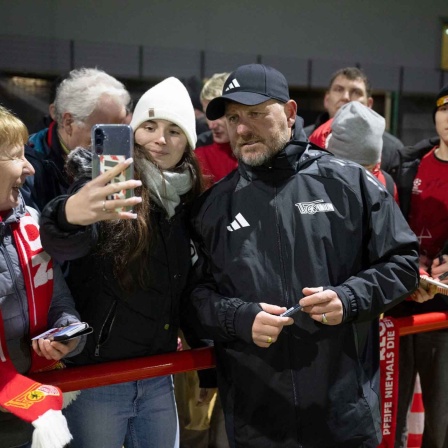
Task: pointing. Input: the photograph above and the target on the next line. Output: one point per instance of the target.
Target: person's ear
(326, 100)
(370, 102)
(67, 123)
(291, 112)
(52, 111)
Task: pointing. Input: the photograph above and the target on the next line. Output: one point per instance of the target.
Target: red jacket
(216, 161)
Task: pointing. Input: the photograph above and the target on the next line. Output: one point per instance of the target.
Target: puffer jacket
(13, 298)
(263, 234)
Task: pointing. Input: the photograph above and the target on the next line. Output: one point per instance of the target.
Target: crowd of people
(223, 233)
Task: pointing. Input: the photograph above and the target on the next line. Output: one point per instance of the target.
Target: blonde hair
(213, 86)
(12, 130)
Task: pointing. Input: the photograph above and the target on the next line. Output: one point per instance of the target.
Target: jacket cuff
(349, 302)
(244, 317)
(63, 224)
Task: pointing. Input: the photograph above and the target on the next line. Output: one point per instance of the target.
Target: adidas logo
(234, 83)
(238, 223)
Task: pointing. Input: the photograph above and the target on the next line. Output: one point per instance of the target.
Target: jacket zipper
(288, 304)
(98, 344)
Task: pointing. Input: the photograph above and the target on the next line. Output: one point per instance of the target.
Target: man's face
(441, 120)
(257, 133)
(107, 111)
(218, 127)
(344, 90)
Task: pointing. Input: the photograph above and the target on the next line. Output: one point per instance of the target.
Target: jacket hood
(79, 164)
(298, 132)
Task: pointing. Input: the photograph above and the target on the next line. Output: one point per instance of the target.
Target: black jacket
(265, 233)
(411, 157)
(126, 325)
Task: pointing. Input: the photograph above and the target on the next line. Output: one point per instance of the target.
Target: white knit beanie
(169, 100)
(357, 134)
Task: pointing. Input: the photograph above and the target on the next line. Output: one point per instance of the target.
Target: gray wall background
(397, 42)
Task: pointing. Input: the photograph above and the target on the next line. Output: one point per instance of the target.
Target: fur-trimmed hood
(79, 164)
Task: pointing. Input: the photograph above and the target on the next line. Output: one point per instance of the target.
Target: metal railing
(84, 377)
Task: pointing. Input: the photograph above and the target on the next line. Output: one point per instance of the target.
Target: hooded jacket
(263, 234)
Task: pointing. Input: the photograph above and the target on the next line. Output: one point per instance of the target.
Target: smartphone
(112, 144)
(66, 333)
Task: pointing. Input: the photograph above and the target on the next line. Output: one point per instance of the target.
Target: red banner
(389, 345)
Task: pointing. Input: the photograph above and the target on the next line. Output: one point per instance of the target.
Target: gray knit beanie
(357, 134)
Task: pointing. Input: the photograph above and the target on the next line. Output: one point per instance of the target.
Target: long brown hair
(128, 242)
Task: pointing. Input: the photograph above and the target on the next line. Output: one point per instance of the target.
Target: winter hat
(168, 100)
(250, 85)
(442, 98)
(357, 134)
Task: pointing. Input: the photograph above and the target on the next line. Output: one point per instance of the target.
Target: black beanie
(442, 98)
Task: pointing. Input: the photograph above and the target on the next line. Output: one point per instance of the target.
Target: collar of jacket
(17, 213)
(46, 143)
(297, 152)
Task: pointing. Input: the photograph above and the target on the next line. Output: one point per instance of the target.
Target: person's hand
(90, 205)
(268, 324)
(421, 294)
(322, 306)
(424, 262)
(438, 268)
(205, 396)
(53, 349)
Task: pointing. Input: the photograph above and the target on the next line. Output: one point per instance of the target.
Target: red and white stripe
(416, 418)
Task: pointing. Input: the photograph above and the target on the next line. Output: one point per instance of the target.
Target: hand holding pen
(439, 268)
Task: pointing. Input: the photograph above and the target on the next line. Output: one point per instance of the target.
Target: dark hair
(352, 73)
(128, 242)
(194, 86)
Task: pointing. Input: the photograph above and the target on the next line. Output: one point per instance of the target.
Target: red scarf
(26, 398)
